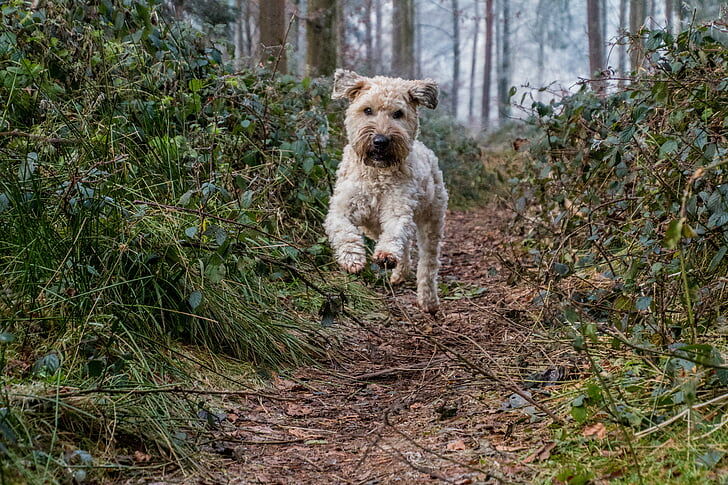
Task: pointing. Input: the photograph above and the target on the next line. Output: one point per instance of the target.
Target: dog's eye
(397, 114)
(368, 111)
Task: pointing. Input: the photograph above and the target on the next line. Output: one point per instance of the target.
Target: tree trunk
(456, 57)
(542, 18)
(368, 38)
(668, 16)
(683, 15)
(473, 66)
(341, 45)
(418, 43)
(272, 25)
(378, 64)
(294, 36)
(636, 19)
(488, 64)
(622, 46)
(238, 34)
(596, 51)
(403, 54)
(321, 38)
(247, 29)
(504, 101)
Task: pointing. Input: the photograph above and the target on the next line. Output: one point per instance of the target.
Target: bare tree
(596, 41)
(504, 70)
(272, 24)
(488, 64)
(473, 64)
(403, 33)
(238, 38)
(321, 36)
(636, 19)
(455, 56)
(622, 68)
(378, 64)
(341, 41)
(368, 36)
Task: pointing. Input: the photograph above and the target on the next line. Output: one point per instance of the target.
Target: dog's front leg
(398, 230)
(345, 238)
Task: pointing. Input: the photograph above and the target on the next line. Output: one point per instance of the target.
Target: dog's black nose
(381, 141)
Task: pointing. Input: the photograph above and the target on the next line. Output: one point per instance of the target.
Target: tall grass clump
(155, 207)
(631, 197)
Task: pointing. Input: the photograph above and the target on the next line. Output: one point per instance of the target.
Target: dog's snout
(381, 141)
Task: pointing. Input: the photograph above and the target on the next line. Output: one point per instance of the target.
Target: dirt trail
(404, 407)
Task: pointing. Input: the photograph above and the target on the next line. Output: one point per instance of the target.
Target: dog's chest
(368, 200)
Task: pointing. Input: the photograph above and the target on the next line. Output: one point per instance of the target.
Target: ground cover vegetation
(625, 206)
(160, 236)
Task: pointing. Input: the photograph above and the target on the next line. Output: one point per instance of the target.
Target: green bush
(630, 192)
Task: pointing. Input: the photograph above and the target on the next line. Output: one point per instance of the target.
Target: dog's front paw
(352, 262)
(431, 306)
(385, 259)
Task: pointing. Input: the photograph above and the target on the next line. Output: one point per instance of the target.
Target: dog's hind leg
(400, 273)
(429, 235)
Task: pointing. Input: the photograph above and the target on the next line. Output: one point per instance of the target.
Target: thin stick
(680, 415)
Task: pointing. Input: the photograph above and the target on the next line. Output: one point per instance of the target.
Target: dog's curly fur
(391, 194)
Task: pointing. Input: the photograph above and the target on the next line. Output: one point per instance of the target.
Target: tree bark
(368, 37)
(488, 64)
(622, 68)
(636, 19)
(272, 25)
(456, 57)
(341, 45)
(238, 34)
(321, 37)
(473, 66)
(596, 50)
(504, 104)
(248, 29)
(403, 55)
(668, 16)
(378, 65)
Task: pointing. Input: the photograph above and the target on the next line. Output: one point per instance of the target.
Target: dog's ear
(424, 93)
(347, 84)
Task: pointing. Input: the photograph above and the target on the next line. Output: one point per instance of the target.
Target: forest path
(403, 403)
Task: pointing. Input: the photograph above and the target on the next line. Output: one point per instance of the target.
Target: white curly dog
(389, 186)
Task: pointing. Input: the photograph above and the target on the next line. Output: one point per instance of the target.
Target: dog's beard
(395, 153)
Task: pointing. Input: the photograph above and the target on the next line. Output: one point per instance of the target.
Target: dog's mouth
(380, 158)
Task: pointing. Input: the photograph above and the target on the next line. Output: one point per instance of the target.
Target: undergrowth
(625, 201)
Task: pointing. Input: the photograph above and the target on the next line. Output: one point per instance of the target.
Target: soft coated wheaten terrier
(388, 186)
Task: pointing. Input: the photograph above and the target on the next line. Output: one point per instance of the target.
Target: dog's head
(382, 118)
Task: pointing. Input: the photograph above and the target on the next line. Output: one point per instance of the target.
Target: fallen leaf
(232, 417)
(541, 454)
(456, 445)
(141, 457)
(596, 429)
(507, 448)
(302, 433)
(296, 410)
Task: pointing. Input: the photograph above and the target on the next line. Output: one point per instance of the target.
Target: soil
(414, 399)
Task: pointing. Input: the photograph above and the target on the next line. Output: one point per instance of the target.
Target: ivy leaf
(673, 234)
(717, 258)
(195, 299)
(643, 303)
(670, 146)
